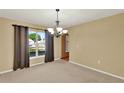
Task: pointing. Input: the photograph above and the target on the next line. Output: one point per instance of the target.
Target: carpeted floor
(57, 72)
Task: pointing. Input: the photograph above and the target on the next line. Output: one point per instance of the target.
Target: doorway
(65, 50)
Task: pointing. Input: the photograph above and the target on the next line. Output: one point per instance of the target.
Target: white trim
(57, 58)
(6, 71)
(37, 57)
(110, 74)
(36, 64)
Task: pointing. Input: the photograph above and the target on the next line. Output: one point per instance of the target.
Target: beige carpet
(56, 72)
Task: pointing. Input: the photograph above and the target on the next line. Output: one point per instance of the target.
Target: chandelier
(57, 31)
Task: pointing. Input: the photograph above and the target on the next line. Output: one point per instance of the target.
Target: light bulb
(59, 29)
(65, 31)
(50, 30)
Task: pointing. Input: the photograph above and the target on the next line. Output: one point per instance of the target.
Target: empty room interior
(61, 45)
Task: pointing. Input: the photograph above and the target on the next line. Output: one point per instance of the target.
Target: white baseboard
(110, 74)
(6, 71)
(37, 64)
(57, 58)
(2, 72)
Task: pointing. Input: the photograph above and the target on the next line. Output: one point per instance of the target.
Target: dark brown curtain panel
(21, 55)
(49, 43)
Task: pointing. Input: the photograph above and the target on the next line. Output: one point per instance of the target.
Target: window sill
(37, 57)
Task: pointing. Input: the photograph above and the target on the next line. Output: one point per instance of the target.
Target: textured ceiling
(68, 17)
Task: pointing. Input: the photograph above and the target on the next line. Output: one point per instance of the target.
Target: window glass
(41, 43)
(36, 43)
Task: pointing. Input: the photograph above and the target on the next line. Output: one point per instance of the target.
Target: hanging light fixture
(57, 31)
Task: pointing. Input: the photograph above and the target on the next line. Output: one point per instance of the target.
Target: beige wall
(99, 44)
(7, 44)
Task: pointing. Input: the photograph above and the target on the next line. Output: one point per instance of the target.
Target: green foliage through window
(33, 37)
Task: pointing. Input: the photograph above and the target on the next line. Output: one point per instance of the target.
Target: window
(36, 43)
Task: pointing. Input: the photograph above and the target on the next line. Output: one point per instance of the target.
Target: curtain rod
(36, 28)
(28, 27)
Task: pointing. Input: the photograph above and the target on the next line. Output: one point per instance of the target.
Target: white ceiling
(68, 17)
